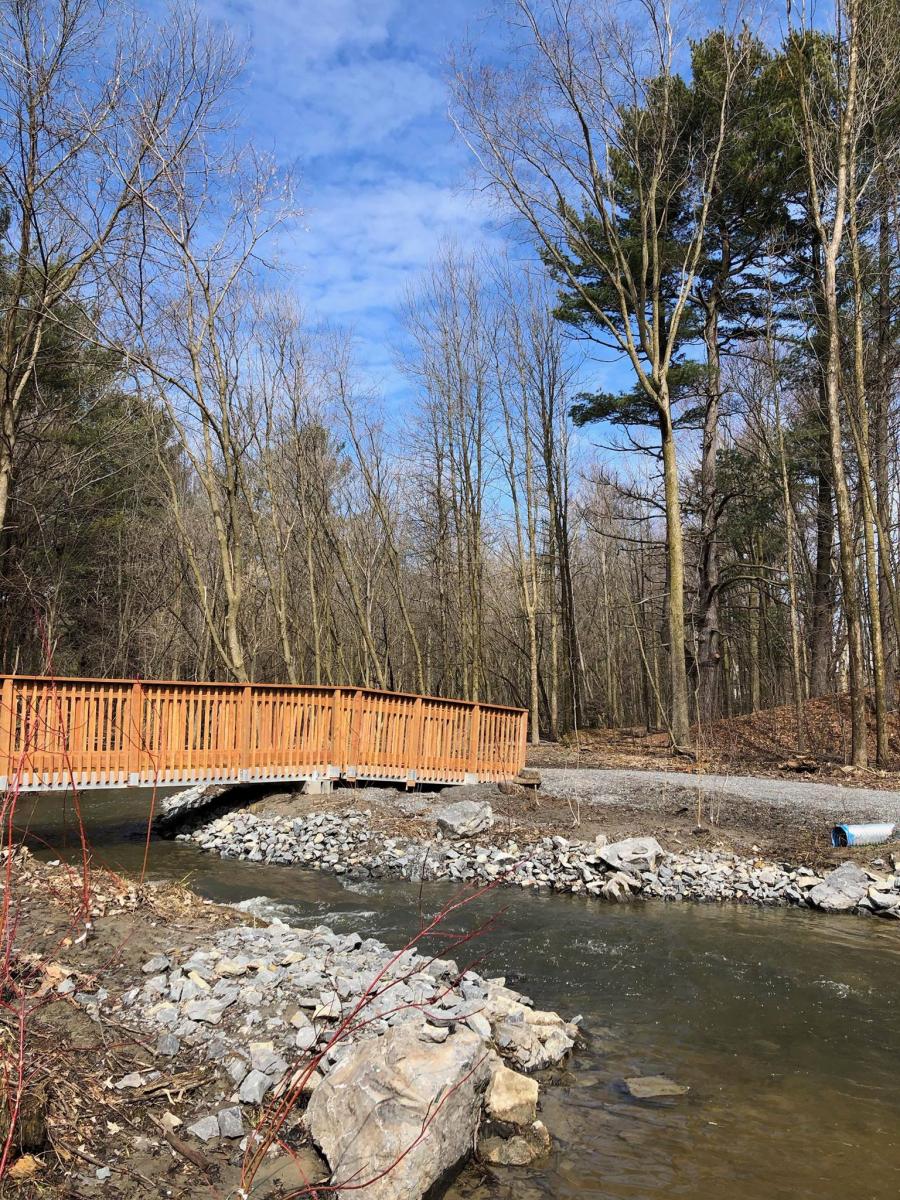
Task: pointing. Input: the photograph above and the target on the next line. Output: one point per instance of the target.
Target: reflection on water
(785, 1025)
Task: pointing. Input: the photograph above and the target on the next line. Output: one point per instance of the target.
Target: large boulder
(632, 855)
(399, 1112)
(465, 818)
(841, 890)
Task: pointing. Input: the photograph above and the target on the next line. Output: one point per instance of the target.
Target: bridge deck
(125, 733)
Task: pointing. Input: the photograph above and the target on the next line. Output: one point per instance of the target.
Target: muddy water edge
(784, 1024)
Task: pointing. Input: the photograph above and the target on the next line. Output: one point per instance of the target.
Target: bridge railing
(117, 732)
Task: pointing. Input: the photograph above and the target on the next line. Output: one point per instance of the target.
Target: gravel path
(615, 787)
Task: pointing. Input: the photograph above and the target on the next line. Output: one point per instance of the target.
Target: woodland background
(196, 481)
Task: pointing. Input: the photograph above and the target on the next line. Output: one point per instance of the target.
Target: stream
(784, 1024)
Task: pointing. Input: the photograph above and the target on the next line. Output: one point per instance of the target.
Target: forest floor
(762, 744)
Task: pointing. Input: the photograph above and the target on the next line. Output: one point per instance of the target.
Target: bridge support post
(318, 787)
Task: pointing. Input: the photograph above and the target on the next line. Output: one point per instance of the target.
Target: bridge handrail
(56, 730)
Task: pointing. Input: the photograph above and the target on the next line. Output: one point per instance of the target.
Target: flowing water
(785, 1025)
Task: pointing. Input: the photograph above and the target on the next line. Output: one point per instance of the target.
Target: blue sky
(354, 92)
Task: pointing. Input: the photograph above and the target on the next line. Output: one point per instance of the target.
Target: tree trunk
(708, 635)
(880, 451)
(865, 474)
(821, 625)
(754, 612)
(850, 596)
(678, 700)
(794, 611)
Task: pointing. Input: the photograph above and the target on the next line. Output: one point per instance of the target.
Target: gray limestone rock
(464, 819)
(254, 1087)
(231, 1122)
(369, 1111)
(841, 890)
(632, 854)
(205, 1129)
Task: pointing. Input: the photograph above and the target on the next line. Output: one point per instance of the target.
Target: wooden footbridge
(92, 733)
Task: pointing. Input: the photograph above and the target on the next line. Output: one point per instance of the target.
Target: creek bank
(352, 842)
(392, 1051)
(214, 1037)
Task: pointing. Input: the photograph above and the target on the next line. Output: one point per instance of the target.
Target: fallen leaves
(25, 1167)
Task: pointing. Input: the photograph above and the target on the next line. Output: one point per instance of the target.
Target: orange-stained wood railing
(120, 733)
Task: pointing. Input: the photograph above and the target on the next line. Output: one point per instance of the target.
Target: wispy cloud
(353, 93)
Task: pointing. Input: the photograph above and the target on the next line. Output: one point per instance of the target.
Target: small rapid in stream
(784, 1024)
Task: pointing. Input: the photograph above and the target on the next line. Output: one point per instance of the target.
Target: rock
(302, 1080)
(305, 1039)
(517, 1151)
(511, 1097)
(254, 1087)
(530, 1047)
(808, 881)
(369, 1111)
(134, 1080)
(479, 1024)
(205, 1129)
(464, 819)
(653, 1087)
(883, 900)
(632, 854)
(227, 968)
(172, 808)
(168, 1045)
(208, 1011)
(170, 1121)
(265, 1058)
(154, 965)
(841, 890)
(293, 1174)
(103, 1173)
(434, 1033)
(237, 1068)
(231, 1122)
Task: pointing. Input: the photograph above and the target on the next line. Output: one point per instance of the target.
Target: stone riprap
(262, 1005)
(347, 844)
